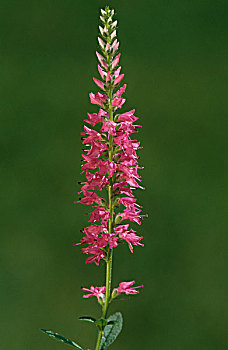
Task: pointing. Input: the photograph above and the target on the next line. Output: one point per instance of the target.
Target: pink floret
(98, 292)
(125, 287)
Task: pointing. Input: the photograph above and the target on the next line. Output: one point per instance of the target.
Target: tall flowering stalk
(110, 166)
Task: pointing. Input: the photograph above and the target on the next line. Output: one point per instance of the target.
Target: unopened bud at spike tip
(115, 47)
(114, 24)
(114, 43)
(101, 43)
(101, 30)
(106, 30)
(113, 35)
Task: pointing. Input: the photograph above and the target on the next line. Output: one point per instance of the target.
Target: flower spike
(110, 164)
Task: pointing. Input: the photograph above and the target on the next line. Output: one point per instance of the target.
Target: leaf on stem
(112, 330)
(61, 338)
(88, 319)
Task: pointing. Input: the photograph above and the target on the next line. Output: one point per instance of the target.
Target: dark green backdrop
(174, 55)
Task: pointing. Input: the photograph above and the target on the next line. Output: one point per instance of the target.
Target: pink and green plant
(110, 165)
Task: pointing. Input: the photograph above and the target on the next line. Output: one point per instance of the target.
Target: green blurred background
(174, 55)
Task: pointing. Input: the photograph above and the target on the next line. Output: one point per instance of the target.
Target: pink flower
(109, 127)
(99, 214)
(108, 238)
(131, 214)
(93, 135)
(89, 198)
(108, 167)
(98, 99)
(97, 254)
(98, 292)
(95, 181)
(125, 287)
(126, 201)
(127, 116)
(92, 233)
(90, 163)
(128, 127)
(123, 188)
(118, 102)
(93, 119)
(131, 238)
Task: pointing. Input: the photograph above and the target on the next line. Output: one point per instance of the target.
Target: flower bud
(115, 47)
(101, 30)
(101, 43)
(103, 203)
(114, 24)
(118, 79)
(116, 203)
(113, 34)
(108, 77)
(100, 300)
(116, 61)
(114, 293)
(107, 48)
(118, 219)
(105, 30)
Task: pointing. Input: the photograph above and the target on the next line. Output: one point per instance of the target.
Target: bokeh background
(174, 55)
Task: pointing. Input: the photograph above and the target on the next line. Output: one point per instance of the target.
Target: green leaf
(87, 318)
(112, 330)
(61, 338)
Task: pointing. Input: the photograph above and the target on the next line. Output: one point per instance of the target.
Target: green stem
(110, 228)
(107, 296)
(99, 340)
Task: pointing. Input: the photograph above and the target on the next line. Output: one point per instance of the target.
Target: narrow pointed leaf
(61, 338)
(112, 330)
(88, 319)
